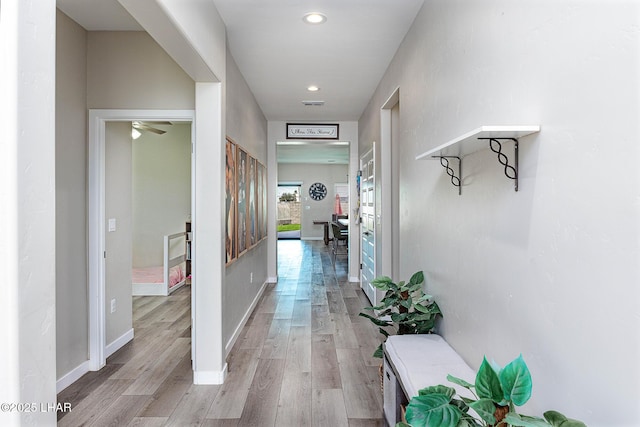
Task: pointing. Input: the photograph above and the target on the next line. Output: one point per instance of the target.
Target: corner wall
(72, 318)
(550, 271)
(27, 215)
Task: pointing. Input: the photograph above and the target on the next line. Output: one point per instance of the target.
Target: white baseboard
(118, 343)
(210, 377)
(354, 279)
(244, 320)
(148, 289)
(272, 279)
(72, 376)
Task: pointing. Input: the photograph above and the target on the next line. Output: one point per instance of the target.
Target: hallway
(302, 359)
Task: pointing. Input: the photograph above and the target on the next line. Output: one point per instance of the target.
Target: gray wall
(118, 242)
(551, 271)
(161, 170)
(312, 210)
(71, 201)
(247, 126)
(123, 70)
(129, 70)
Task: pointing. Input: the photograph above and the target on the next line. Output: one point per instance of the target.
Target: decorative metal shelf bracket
(455, 180)
(510, 170)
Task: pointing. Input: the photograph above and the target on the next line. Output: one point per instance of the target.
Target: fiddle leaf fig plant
(497, 391)
(404, 309)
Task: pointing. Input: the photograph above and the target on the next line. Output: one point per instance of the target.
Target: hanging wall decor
(246, 201)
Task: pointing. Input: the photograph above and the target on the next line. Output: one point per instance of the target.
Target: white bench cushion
(420, 361)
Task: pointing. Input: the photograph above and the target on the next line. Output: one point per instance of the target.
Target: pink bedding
(156, 275)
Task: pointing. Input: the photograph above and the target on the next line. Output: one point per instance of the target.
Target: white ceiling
(279, 55)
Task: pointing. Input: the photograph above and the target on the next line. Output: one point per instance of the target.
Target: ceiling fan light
(313, 88)
(314, 18)
(135, 134)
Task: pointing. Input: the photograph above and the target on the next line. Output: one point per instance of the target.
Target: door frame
(390, 250)
(377, 294)
(98, 119)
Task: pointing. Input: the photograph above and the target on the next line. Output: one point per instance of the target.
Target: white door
(367, 227)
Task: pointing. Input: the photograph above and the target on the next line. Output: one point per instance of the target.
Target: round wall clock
(317, 191)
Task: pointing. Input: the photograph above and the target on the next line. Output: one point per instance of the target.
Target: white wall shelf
(478, 139)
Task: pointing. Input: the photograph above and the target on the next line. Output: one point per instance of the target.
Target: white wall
(27, 212)
(552, 270)
(71, 201)
(247, 126)
(161, 179)
(312, 210)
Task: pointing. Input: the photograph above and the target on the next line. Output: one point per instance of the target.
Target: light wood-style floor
(303, 359)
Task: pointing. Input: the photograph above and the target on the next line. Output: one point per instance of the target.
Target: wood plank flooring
(303, 359)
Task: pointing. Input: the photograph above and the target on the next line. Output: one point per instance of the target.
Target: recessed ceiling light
(313, 88)
(314, 18)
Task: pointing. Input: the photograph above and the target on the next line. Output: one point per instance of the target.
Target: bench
(413, 362)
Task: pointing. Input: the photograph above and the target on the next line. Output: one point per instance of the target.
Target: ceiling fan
(149, 126)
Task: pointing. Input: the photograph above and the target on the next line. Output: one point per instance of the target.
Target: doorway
(289, 211)
(368, 226)
(100, 345)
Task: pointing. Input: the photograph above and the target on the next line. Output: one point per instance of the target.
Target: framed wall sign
(312, 131)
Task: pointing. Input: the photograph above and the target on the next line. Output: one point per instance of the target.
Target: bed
(164, 279)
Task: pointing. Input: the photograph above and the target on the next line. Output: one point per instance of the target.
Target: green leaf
(415, 287)
(417, 278)
(485, 408)
(383, 332)
(515, 379)
(406, 303)
(422, 309)
(556, 419)
(460, 382)
(399, 317)
(488, 384)
(468, 422)
(381, 281)
(425, 327)
(435, 308)
(518, 420)
(401, 424)
(438, 389)
(423, 298)
(432, 410)
(376, 321)
(379, 352)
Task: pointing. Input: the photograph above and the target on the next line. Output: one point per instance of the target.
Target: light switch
(112, 224)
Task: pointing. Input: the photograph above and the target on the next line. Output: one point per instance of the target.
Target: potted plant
(404, 309)
(497, 393)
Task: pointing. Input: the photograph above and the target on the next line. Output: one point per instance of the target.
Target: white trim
(243, 322)
(386, 186)
(118, 343)
(272, 279)
(96, 217)
(210, 377)
(353, 279)
(72, 376)
(311, 238)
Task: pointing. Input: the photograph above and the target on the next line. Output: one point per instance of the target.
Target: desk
(326, 229)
